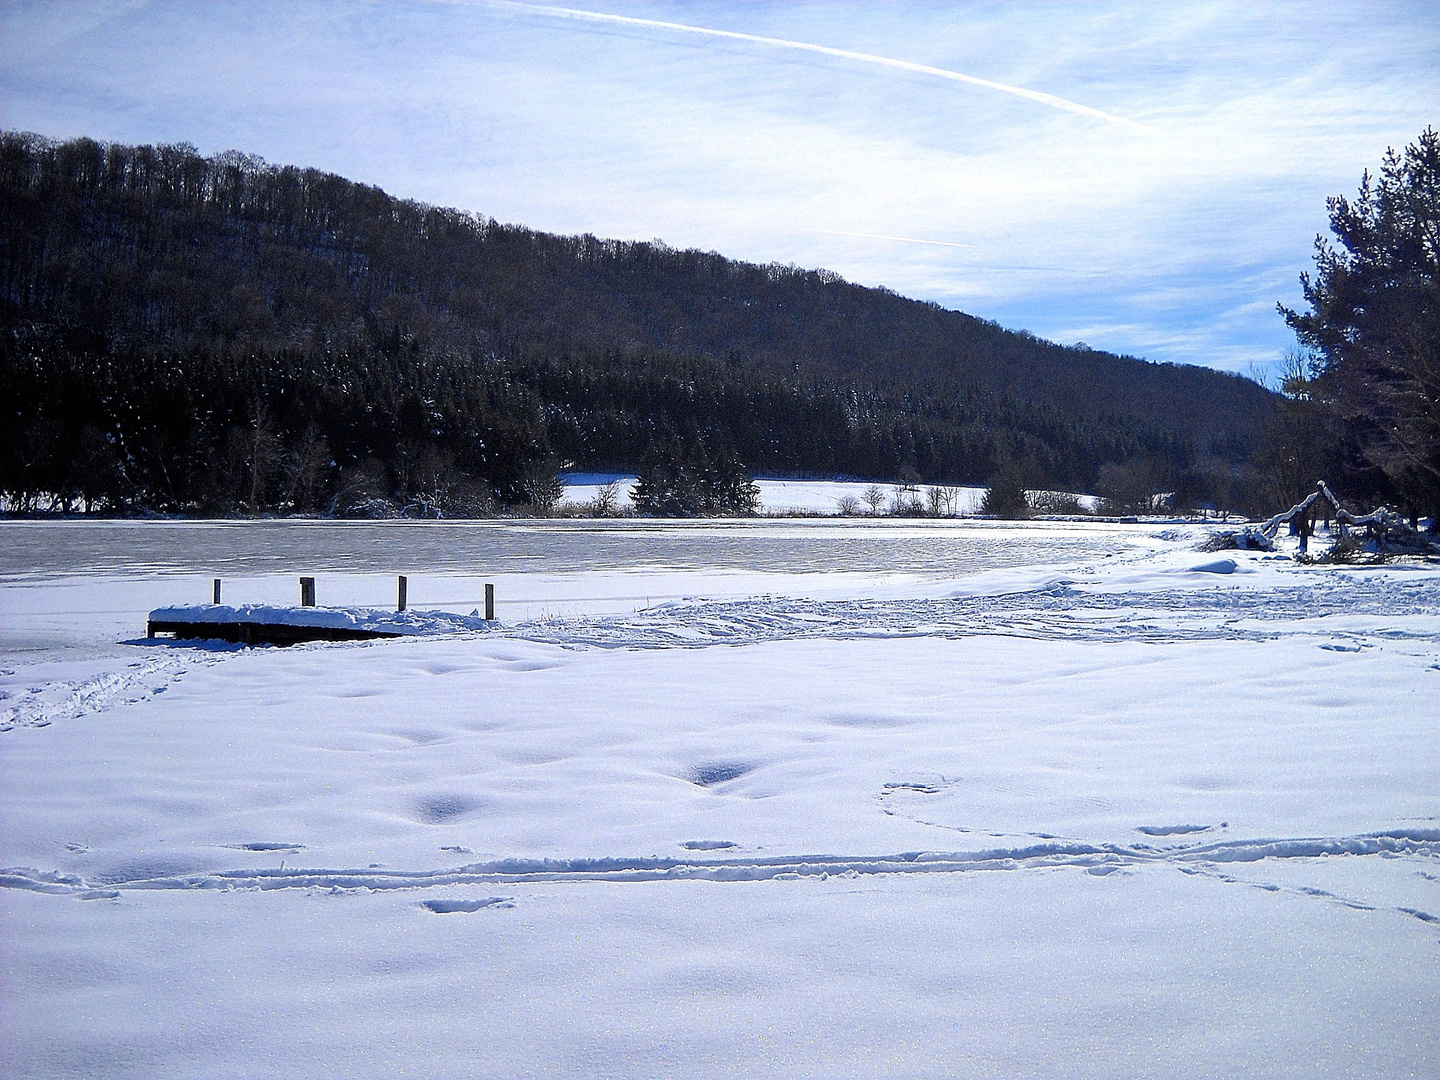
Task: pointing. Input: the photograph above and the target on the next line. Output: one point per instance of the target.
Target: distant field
(787, 496)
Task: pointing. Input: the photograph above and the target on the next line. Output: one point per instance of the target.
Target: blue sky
(1157, 191)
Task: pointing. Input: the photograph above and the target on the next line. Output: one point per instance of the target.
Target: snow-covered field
(778, 799)
(776, 496)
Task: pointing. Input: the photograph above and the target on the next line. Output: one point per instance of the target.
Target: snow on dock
(256, 624)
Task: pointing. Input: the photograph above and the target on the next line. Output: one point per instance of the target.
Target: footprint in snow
(718, 772)
(904, 785)
(451, 907)
(441, 809)
(1172, 830)
(1423, 916)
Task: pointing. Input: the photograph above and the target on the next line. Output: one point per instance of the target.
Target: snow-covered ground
(986, 800)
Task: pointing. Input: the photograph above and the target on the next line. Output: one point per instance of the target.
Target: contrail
(898, 239)
(844, 54)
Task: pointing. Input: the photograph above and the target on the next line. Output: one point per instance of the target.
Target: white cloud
(1173, 244)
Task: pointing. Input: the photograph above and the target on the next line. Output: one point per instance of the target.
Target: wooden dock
(268, 624)
(261, 633)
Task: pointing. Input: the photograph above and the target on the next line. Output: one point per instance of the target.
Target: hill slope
(196, 333)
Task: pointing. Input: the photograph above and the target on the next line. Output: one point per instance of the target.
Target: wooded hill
(199, 334)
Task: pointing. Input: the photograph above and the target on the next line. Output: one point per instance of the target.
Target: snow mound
(1218, 566)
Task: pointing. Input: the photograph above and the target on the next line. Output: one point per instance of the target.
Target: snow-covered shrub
(1375, 545)
(371, 508)
(1246, 539)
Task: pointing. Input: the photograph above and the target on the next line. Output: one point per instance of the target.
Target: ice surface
(1104, 810)
(44, 550)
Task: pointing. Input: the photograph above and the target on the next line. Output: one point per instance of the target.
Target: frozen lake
(941, 548)
(778, 798)
(79, 587)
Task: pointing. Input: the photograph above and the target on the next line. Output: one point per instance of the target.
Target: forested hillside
(217, 334)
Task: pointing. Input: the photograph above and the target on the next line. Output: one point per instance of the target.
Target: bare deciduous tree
(542, 483)
(606, 502)
(263, 449)
(307, 467)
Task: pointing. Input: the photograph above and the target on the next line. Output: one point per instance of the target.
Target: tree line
(215, 335)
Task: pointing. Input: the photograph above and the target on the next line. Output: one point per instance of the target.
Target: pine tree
(1373, 328)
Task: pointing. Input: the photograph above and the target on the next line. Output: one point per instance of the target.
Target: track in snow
(37, 706)
(1096, 859)
(1060, 613)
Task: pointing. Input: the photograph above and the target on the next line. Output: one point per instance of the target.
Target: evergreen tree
(1373, 328)
(674, 482)
(1005, 496)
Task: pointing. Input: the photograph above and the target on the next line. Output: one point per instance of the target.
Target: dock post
(489, 602)
(217, 591)
(307, 592)
(404, 588)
